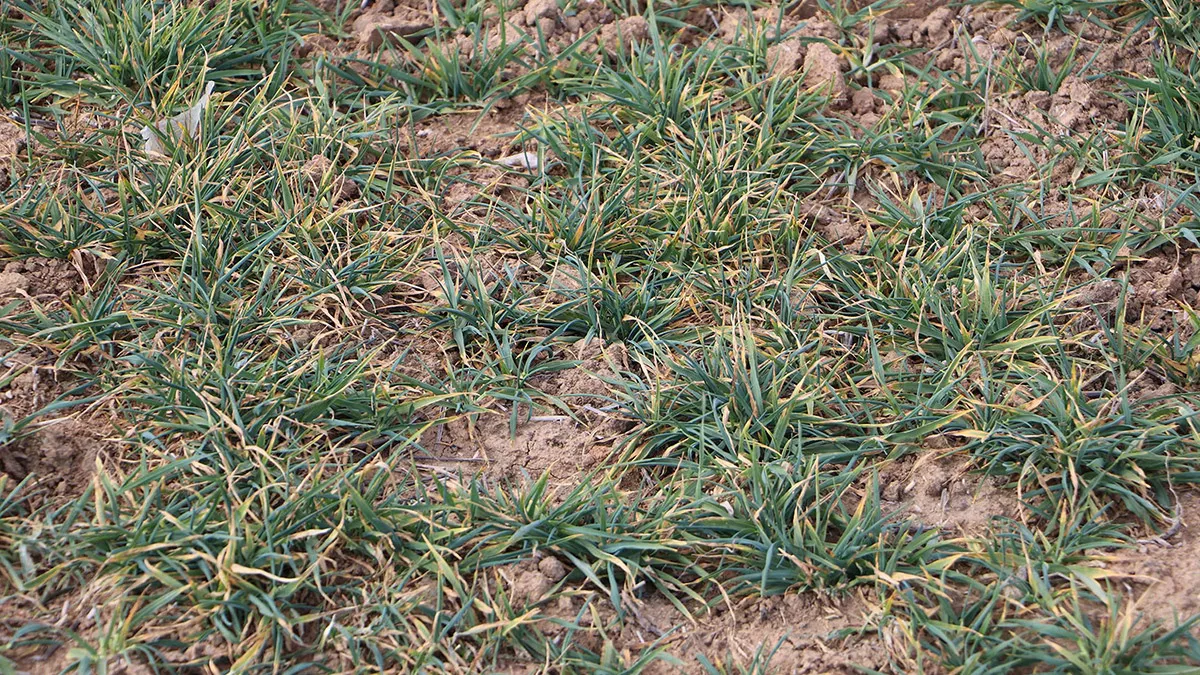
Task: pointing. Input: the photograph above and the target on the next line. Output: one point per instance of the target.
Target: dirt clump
(1155, 286)
(12, 284)
(341, 189)
(844, 228)
(315, 44)
(1161, 287)
(12, 139)
(1079, 104)
(624, 34)
(784, 57)
(937, 27)
(1148, 386)
(529, 581)
(384, 22)
(58, 453)
(536, 10)
(60, 456)
(12, 143)
(40, 278)
(915, 9)
(823, 73)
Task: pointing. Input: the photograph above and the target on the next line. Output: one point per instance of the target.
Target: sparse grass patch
(626, 338)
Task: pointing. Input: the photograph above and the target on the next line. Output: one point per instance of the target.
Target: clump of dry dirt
(1160, 288)
(341, 189)
(566, 445)
(804, 50)
(1078, 106)
(842, 224)
(1157, 284)
(622, 35)
(40, 278)
(387, 21)
(529, 581)
(25, 386)
(12, 142)
(60, 456)
(13, 284)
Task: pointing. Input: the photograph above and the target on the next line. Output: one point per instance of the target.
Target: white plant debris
(185, 124)
(527, 161)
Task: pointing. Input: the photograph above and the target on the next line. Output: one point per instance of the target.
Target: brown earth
(46, 651)
(59, 456)
(1163, 577)
(802, 630)
(803, 633)
(43, 279)
(12, 143)
(939, 490)
(57, 452)
(563, 442)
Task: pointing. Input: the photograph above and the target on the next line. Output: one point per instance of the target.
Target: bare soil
(57, 452)
(942, 491)
(564, 442)
(806, 632)
(1162, 572)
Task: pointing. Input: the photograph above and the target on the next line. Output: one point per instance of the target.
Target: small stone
(784, 58)
(12, 284)
(540, 9)
(375, 31)
(622, 35)
(821, 71)
(862, 102)
(552, 568)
